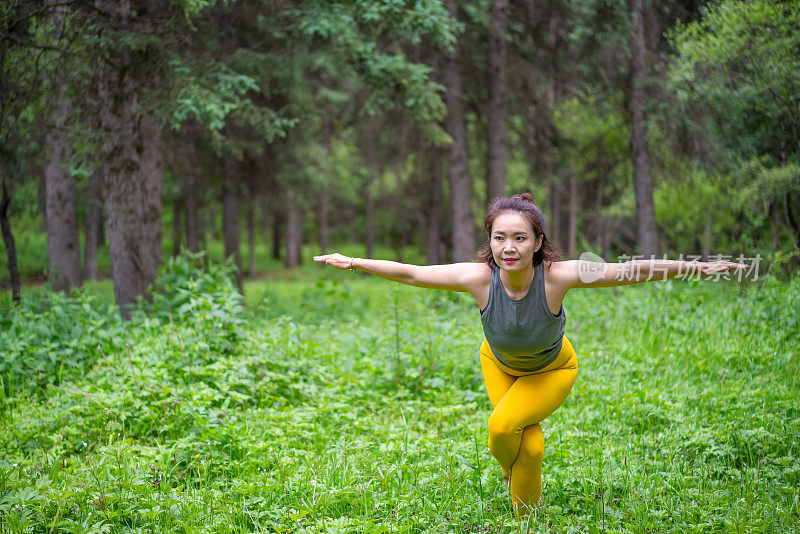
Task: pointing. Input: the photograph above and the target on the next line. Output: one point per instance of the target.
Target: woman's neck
(517, 281)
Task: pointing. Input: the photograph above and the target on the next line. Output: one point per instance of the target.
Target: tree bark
(463, 230)
(294, 230)
(433, 249)
(8, 239)
(133, 211)
(63, 243)
(646, 235)
(496, 112)
(93, 224)
(132, 170)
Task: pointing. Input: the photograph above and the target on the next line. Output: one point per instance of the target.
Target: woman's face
(513, 242)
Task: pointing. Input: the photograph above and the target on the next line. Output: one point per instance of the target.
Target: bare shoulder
(471, 275)
(561, 272)
(478, 274)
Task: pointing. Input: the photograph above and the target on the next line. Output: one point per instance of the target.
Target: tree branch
(29, 44)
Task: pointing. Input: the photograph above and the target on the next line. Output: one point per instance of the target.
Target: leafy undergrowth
(350, 404)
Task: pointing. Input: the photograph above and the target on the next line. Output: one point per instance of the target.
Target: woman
(528, 364)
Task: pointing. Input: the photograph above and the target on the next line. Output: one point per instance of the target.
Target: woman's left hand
(336, 260)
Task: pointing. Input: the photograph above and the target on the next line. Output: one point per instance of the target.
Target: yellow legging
(521, 401)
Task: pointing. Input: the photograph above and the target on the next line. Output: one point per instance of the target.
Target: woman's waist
(520, 364)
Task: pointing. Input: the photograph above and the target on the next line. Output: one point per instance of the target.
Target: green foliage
(184, 278)
(356, 27)
(741, 58)
(692, 199)
(199, 295)
(52, 336)
(352, 404)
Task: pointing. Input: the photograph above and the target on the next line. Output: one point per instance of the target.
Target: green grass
(345, 403)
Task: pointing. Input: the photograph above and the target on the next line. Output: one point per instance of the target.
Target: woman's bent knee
(501, 425)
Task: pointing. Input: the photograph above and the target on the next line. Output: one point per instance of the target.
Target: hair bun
(525, 196)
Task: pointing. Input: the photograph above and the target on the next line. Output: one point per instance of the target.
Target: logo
(591, 267)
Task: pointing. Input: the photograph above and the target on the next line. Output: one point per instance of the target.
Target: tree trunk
(93, 224)
(277, 233)
(294, 230)
(496, 110)
(553, 181)
(132, 170)
(190, 207)
(433, 250)
(63, 243)
(230, 214)
(176, 226)
(251, 236)
(153, 169)
(463, 231)
(572, 241)
(8, 239)
(266, 216)
(646, 235)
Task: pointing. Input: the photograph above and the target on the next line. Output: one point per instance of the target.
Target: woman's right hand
(336, 260)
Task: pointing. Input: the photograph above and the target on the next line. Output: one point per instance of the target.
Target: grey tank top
(523, 334)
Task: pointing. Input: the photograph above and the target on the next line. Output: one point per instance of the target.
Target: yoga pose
(528, 364)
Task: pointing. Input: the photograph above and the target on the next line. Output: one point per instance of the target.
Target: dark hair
(525, 205)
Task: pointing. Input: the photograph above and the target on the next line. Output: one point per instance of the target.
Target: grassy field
(338, 403)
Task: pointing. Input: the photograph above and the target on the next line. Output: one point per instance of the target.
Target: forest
(666, 128)
(172, 360)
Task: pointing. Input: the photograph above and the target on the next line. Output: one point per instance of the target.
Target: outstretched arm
(577, 273)
(452, 277)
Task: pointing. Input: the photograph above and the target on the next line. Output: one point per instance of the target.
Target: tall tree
(6, 195)
(294, 230)
(63, 246)
(646, 233)
(435, 213)
(22, 97)
(463, 230)
(496, 111)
